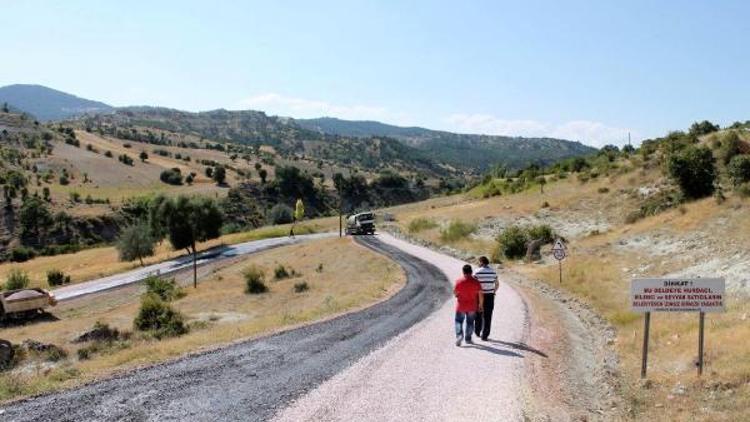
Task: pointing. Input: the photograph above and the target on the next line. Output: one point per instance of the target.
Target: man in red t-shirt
(468, 292)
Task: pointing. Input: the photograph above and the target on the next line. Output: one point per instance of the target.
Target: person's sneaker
(469, 341)
(484, 338)
(458, 339)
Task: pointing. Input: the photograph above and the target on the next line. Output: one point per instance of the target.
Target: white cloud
(591, 133)
(282, 105)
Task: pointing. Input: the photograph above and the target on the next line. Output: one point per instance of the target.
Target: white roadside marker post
(559, 252)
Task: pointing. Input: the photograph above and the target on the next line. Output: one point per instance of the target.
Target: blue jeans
(469, 316)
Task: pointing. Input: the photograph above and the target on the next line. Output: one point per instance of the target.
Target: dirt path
(422, 376)
(252, 380)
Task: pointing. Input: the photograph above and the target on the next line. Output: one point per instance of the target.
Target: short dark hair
(484, 261)
(467, 269)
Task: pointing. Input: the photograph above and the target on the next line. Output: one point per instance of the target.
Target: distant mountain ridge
(456, 149)
(366, 142)
(47, 104)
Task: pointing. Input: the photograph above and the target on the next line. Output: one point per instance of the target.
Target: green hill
(462, 151)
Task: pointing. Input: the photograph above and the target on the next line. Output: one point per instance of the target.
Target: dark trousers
(483, 324)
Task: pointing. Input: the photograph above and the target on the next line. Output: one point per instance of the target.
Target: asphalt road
(250, 381)
(422, 376)
(186, 261)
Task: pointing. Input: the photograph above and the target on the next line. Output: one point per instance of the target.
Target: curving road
(173, 265)
(253, 380)
(422, 376)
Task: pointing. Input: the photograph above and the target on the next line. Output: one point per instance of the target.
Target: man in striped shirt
(488, 279)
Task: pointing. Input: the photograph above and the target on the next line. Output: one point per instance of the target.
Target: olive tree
(189, 220)
(136, 242)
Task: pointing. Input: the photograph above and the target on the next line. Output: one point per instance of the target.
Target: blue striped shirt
(487, 278)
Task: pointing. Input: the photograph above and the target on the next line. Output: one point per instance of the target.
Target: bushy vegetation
(739, 169)
(693, 169)
(171, 176)
(457, 230)
(255, 279)
(512, 242)
(102, 339)
(281, 214)
(159, 318)
(421, 224)
(656, 204)
(301, 286)
(17, 279)
(166, 289)
(57, 278)
(280, 272)
(136, 242)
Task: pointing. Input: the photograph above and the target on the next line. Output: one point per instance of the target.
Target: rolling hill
(465, 151)
(47, 104)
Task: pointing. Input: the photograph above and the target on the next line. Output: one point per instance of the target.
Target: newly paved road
(422, 376)
(252, 381)
(166, 267)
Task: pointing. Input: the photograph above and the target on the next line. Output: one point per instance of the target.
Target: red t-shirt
(467, 292)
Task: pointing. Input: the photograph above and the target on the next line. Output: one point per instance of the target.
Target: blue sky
(584, 70)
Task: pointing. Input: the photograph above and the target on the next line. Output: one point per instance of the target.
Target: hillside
(463, 151)
(47, 104)
(255, 129)
(623, 217)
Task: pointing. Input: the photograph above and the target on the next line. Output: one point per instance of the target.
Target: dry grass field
(341, 276)
(98, 262)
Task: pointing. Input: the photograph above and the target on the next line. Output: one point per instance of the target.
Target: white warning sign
(677, 295)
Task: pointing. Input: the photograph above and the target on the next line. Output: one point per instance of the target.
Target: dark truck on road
(362, 223)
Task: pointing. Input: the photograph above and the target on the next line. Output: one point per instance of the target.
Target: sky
(591, 71)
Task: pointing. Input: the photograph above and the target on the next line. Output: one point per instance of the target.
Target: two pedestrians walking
(475, 295)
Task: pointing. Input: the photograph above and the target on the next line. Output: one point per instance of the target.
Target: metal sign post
(701, 324)
(559, 252)
(677, 295)
(644, 354)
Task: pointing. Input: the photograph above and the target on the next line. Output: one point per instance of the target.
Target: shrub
(730, 147)
(739, 169)
(57, 278)
(126, 159)
(496, 256)
(159, 318)
(64, 180)
(457, 230)
(420, 224)
(219, 175)
(171, 176)
(694, 171)
(166, 289)
(280, 272)
(280, 214)
(108, 154)
(17, 279)
(300, 287)
(255, 280)
(603, 190)
(512, 242)
(656, 204)
(319, 269)
(21, 254)
(703, 128)
(543, 232)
